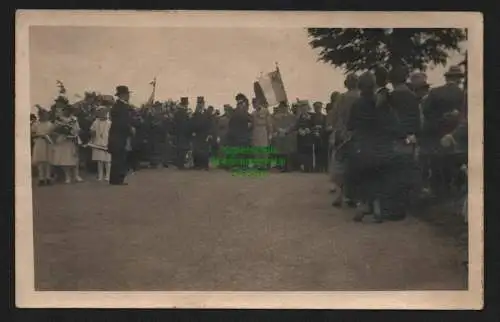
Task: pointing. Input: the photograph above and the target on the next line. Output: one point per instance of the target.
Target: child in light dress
(42, 146)
(65, 145)
(100, 132)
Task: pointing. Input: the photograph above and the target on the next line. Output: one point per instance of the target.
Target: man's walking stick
(314, 157)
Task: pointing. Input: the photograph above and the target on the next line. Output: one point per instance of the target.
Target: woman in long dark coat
(372, 129)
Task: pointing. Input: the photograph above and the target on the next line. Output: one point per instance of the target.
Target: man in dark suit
(201, 130)
(442, 110)
(120, 134)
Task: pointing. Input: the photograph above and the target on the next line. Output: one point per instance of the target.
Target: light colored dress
(42, 148)
(66, 149)
(101, 129)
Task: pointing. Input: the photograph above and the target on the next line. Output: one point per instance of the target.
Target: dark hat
(241, 97)
(200, 99)
(454, 71)
(184, 101)
(122, 89)
(90, 94)
(317, 103)
(61, 99)
(419, 80)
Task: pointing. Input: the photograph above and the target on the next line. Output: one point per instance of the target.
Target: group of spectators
(382, 147)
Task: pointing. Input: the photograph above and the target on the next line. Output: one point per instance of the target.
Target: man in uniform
(119, 134)
(181, 129)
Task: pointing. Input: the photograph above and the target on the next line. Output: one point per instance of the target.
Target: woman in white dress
(42, 148)
(65, 153)
(100, 132)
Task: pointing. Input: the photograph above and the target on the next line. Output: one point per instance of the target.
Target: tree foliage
(355, 49)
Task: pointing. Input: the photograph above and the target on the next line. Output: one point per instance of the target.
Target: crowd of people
(381, 147)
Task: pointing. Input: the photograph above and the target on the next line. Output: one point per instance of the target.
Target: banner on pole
(270, 86)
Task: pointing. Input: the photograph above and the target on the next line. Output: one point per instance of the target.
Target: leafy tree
(355, 49)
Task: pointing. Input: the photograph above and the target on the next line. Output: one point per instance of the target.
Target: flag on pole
(151, 99)
(259, 93)
(272, 88)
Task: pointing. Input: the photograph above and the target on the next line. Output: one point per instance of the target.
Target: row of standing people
(387, 144)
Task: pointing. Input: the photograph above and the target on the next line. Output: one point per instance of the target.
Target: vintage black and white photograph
(169, 154)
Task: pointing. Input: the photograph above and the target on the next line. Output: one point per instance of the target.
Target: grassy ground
(201, 231)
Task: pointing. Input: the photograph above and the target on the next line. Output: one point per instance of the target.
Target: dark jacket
(201, 128)
(121, 126)
(406, 106)
(181, 128)
(238, 129)
(304, 140)
(374, 130)
(439, 101)
(320, 134)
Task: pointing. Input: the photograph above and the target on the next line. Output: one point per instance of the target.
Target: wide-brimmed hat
(122, 89)
(454, 71)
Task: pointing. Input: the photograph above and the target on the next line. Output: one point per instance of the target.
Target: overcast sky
(213, 62)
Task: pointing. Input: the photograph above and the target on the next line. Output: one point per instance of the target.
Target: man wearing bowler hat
(201, 131)
(120, 134)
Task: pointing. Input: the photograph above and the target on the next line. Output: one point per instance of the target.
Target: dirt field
(201, 231)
